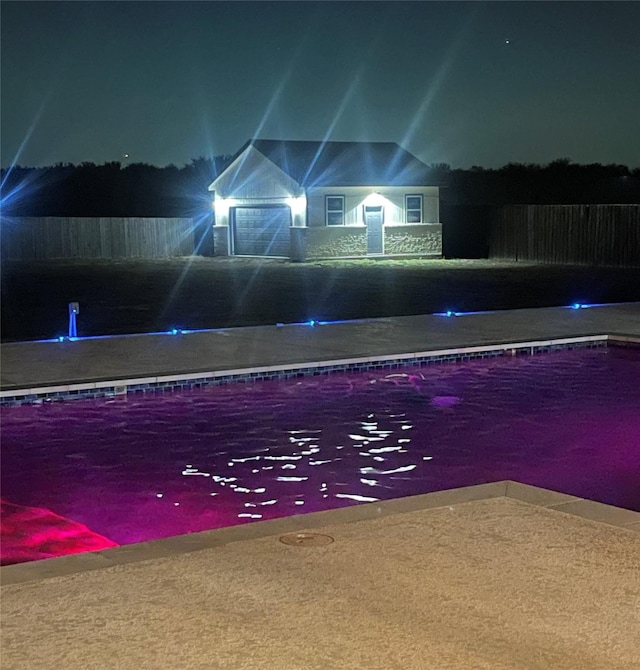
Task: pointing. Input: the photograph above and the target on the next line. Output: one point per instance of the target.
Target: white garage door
(261, 231)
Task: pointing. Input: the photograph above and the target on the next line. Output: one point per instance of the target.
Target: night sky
(462, 83)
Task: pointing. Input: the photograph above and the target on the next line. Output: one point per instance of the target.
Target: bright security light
(297, 205)
(374, 200)
(222, 205)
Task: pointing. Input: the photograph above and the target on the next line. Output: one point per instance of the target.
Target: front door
(373, 221)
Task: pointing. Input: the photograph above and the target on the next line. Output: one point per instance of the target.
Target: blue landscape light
(451, 312)
(581, 305)
(74, 310)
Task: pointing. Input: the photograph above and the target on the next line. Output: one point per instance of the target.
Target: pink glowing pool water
(137, 468)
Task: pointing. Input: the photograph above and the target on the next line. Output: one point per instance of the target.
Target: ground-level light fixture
(74, 310)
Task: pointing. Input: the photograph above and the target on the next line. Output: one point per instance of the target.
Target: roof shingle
(344, 163)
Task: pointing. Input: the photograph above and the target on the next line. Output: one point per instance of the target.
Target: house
(309, 200)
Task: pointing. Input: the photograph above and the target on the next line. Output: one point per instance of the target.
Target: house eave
(235, 163)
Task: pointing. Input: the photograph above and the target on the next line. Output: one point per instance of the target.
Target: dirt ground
(118, 297)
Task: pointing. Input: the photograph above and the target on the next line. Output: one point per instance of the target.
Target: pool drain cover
(306, 539)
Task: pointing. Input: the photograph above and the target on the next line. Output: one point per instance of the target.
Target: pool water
(89, 473)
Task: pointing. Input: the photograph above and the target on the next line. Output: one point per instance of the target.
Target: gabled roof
(343, 163)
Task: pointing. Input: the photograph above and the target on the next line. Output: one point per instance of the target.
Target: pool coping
(108, 388)
(580, 508)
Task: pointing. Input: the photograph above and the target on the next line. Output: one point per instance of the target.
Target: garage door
(261, 231)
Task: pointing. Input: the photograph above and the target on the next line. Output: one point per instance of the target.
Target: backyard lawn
(132, 296)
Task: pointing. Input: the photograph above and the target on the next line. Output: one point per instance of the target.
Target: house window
(335, 210)
(413, 208)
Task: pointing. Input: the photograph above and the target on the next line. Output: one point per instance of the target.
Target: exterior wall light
(374, 200)
(221, 208)
(222, 205)
(298, 204)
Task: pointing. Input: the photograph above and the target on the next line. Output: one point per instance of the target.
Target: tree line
(110, 190)
(139, 189)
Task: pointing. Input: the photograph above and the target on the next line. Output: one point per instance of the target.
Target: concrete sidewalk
(39, 364)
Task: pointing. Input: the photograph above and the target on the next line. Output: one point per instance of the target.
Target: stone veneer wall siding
(349, 241)
(413, 239)
(220, 240)
(335, 241)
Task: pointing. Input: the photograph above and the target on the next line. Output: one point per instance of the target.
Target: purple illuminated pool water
(144, 467)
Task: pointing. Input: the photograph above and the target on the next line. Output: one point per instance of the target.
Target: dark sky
(466, 83)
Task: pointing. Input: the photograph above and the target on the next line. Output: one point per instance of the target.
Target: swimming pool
(102, 472)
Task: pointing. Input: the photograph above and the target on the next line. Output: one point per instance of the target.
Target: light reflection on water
(139, 468)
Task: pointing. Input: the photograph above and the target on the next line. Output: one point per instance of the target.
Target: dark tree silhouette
(113, 190)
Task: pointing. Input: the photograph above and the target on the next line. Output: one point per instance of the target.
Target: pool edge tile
(447, 497)
(190, 542)
(180, 544)
(82, 386)
(600, 512)
(49, 568)
(12, 392)
(223, 376)
(345, 515)
(535, 495)
(57, 388)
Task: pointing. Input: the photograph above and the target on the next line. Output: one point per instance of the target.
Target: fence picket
(32, 238)
(569, 234)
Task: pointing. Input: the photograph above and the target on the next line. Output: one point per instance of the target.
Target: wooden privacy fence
(570, 234)
(38, 238)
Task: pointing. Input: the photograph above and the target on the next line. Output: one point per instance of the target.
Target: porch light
(374, 200)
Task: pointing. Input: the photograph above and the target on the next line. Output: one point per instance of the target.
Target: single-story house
(309, 200)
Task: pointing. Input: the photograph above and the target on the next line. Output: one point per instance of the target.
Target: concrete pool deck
(494, 576)
(497, 576)
(34, 366)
